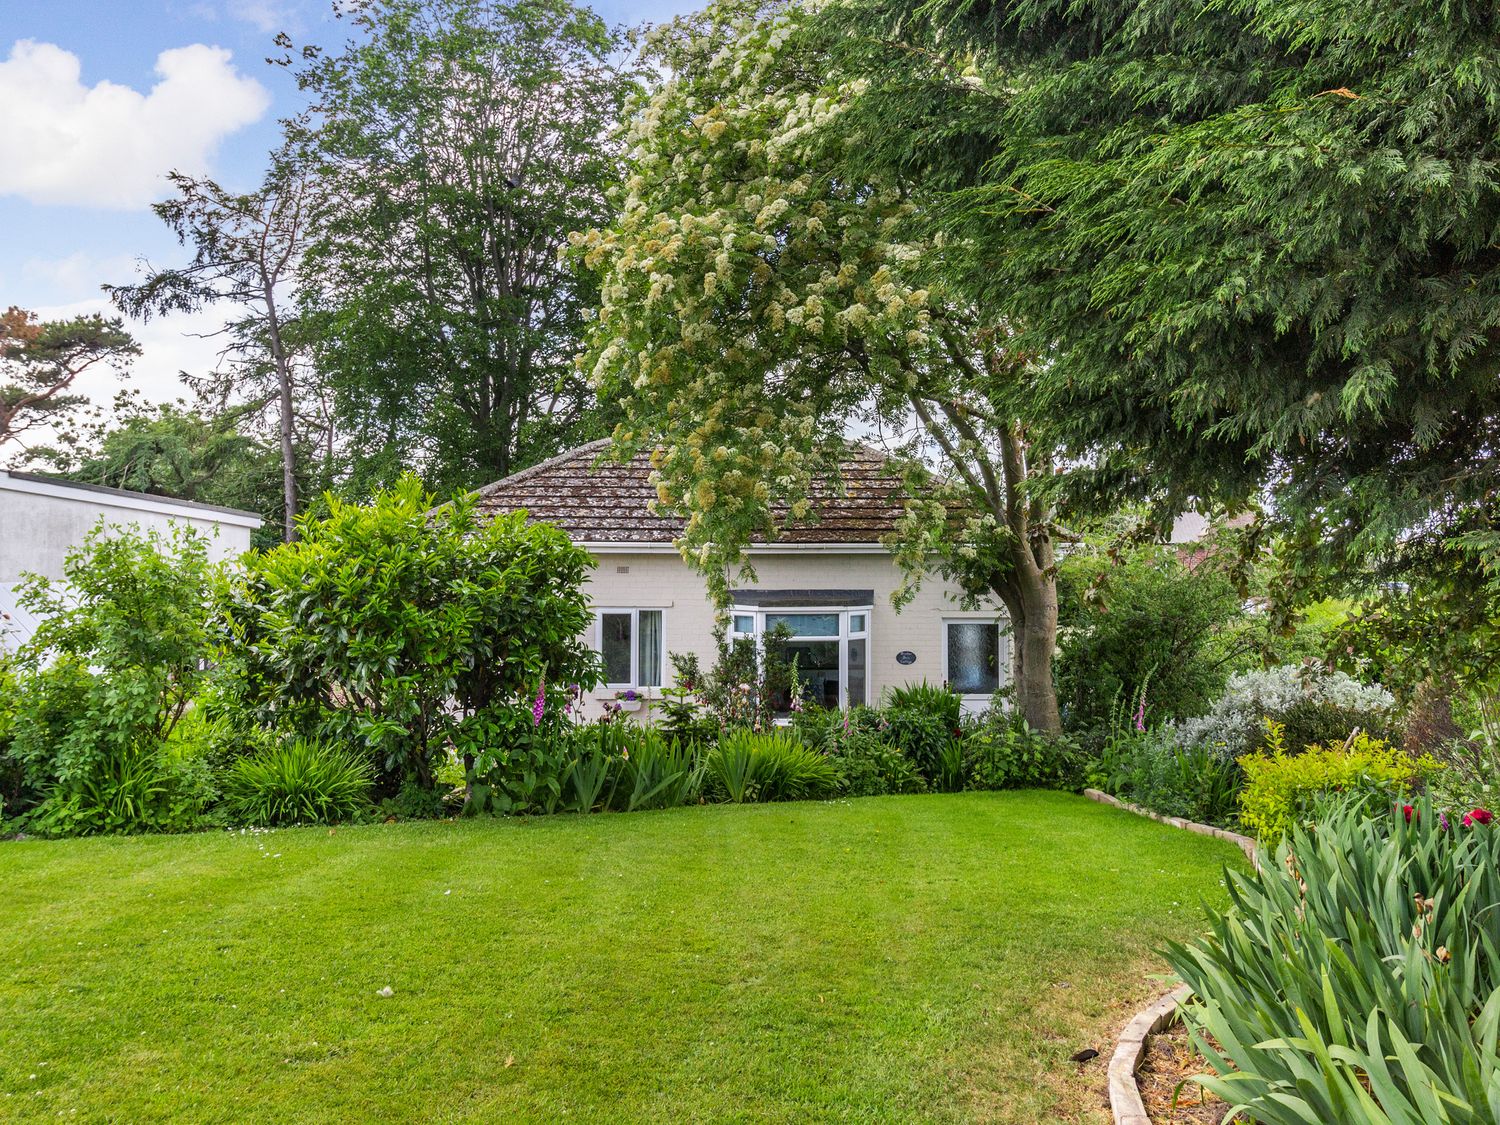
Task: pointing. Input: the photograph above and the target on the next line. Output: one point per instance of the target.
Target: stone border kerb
(1124, 1092)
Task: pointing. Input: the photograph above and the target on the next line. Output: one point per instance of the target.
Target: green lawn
(870, 960)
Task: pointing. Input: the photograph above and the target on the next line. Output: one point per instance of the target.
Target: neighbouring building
(830, 582)
(42, 518)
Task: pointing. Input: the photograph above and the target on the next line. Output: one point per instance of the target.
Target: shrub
(298, 781)
(1281, 789)
(414, 802)
(516, 761)
(768, 766)
(1470, 774)
(655, 772)
(1151, 769)
(628, 768)
(99, 689)
(1356, 976)
(922, 721)
(683, 714)
(1146, 624)
(404, 630)
(1003, 752)
(1317, 702)
(867, 765)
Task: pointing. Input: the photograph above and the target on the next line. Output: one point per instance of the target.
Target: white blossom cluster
(742, 266)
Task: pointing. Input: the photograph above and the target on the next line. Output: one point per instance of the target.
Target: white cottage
(830, 582)
(42, 518)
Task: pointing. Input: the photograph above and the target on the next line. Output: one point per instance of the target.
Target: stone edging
(1124, 1095)
(1244, 843)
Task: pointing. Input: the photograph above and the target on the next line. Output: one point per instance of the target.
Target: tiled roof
(605, 501)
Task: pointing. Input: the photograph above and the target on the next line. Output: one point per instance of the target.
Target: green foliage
(1282, 790)
(1147, 626)
(1356, 976)
(1311, 721)
(922, 721)
(655, 772)
(867, 764)
(40, 361)
(455, 144)
(1469, 776)
(767, 766)
(514, 763)
(404, 630)
(297, 781)
(173, 451)
(617, 765)
(682, 713)
(415, 802)
(1004, 752)
(103, 682)
(1153, 769)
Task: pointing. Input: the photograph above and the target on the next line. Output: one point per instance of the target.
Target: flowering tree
(759, 302)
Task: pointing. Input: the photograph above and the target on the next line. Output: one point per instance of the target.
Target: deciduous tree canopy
(455, 143)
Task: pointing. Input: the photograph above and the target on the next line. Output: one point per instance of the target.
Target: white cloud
(79, 272)
(266, 16)
(108, 145)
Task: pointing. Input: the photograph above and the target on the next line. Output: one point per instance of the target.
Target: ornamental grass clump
(299, 781)
(768, 766)
(1356, 977)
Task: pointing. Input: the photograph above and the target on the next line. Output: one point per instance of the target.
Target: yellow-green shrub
(1280, 788)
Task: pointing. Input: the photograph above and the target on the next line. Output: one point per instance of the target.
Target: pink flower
(1478, 816)
(541, 702)
(1140, 714)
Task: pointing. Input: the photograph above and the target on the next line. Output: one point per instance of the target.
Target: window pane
(817, 671)
(856, 672)
(856, 623)
(744, 623)
(973, 657)
(805, 624)
(614, 645)
(649, 662)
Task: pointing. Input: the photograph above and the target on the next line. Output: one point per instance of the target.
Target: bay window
(829, 644)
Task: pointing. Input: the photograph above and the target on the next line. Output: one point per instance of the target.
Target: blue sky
(102, 98)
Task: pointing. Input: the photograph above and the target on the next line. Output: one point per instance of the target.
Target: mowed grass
(902, 959)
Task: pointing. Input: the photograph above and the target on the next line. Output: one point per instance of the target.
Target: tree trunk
(284, 394)
(1034, 636)
(1029, 592)
(288, 452)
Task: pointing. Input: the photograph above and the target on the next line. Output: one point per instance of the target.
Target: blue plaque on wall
(906, 657)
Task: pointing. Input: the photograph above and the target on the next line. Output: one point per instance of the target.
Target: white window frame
(843, 637)
(635, 644)
(1003, 670)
